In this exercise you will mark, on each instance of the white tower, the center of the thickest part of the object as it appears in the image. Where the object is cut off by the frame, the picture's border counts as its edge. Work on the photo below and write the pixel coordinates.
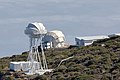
(38, 64)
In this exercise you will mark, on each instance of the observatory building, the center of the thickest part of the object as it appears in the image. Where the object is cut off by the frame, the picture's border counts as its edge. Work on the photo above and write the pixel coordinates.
(88, 40)
(113, 35)
(54, 39)
(39, 40)
(36, 62)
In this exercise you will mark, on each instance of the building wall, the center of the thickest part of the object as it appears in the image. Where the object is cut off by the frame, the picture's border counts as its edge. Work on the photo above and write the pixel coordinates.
(15, 67)
(24, 66)
(52, 42)
(82, 42)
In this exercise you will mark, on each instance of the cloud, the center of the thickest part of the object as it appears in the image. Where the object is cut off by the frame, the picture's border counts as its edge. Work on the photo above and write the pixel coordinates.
(73, 17)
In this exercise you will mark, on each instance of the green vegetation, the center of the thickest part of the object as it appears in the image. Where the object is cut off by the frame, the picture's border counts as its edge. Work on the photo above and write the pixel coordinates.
(99, 61)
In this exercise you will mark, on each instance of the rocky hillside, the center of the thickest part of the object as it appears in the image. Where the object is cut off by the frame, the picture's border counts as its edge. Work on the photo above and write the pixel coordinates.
(99, 61)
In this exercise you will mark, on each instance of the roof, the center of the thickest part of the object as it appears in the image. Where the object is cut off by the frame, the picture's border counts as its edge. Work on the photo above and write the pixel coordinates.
(57, 33)
(14, 63)
(92, 37)
(118, 34)
(22, 62)
(39, 26)
(112, 35)
(35, 29)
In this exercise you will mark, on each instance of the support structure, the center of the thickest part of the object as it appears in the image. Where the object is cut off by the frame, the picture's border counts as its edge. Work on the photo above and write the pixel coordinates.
(36, 32)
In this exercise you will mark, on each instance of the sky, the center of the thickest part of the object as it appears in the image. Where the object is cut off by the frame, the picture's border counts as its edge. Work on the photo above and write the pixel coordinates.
(73, 17)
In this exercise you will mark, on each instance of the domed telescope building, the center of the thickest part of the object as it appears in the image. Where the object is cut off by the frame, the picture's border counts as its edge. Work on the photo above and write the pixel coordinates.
(36, 32)
(54, 39)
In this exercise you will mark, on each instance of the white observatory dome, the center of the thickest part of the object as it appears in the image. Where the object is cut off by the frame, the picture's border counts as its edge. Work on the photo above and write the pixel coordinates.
(58, 35)
(35, 29)
(55, 39)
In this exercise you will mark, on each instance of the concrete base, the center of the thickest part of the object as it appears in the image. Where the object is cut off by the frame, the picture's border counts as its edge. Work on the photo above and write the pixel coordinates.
(40, 72)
